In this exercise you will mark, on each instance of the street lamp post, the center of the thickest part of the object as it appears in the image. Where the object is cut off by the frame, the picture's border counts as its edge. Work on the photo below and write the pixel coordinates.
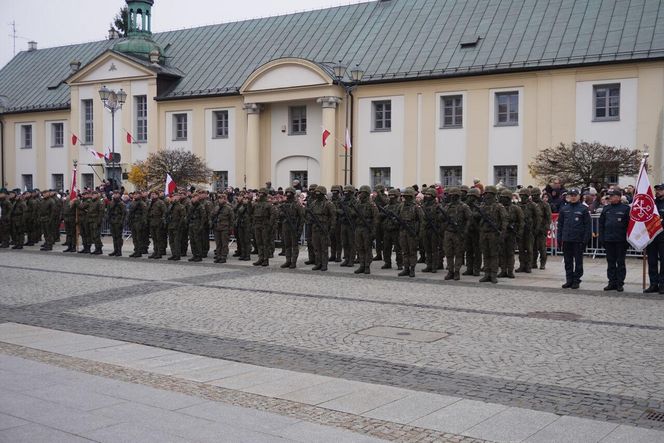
(355, 78)
(113, 101)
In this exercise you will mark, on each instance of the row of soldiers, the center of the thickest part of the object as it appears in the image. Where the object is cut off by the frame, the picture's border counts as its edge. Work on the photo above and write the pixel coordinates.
(462, 226)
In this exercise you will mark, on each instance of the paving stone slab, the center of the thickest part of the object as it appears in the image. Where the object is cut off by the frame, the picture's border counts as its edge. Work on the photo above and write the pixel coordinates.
(572, 430)
(412, 407)
(8, 421)
(511, 425)
(460, 416)
(630, 434)
(36, 433)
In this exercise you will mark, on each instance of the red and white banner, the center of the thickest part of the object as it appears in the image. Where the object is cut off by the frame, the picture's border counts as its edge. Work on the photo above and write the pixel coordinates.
(348, 144)
(95, 154)
(72, 193)
(169, 188)
(644, 220)
(74, 139)
(326, 134)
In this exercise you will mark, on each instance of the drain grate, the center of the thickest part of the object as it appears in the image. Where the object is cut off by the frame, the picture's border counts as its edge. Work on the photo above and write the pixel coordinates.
(654, 415)
(554, 315)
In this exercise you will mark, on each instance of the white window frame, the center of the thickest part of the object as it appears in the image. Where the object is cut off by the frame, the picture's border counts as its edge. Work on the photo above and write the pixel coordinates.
(141, 108)
(297, 120)
(220, 117)
(381, 115)
(54, 182)
(180, 126)
(87, 120)
(606, 96)
(446, 180)
(87, 177)
(385, 180)
(26, 136)
(219, 181)
(455, 108)
(508, 182)
(27, 178)
(55, 143)
(510, 112)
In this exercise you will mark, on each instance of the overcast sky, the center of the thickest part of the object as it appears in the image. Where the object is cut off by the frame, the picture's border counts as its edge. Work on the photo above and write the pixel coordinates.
(63, 22)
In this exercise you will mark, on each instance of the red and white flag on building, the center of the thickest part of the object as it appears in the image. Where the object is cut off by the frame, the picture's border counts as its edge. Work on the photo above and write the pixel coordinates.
(130, 139)
(644, 219)
(95, 154)
(348, 144)
(72, 193)
(326, 134)
(74, 139)
(170, 185)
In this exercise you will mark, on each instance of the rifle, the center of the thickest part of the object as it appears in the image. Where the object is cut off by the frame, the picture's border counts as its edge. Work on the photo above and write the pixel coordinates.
(432, 224)
(364, 222)
(398, 220)
(447, 218)
(289, 220)
(347, 216)
(315, 220)
(487, 219)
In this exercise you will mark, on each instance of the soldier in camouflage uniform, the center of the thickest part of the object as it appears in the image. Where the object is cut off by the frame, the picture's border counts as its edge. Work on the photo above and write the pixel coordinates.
(380, 200)
(540, 234)
(156, 216)
(493, 223)
(345, 219)
(411, 217)
(243, 227)
(117, 212)
(222, 222)
(532, 216)
(335, 234)
(33, 220)
(176, 217)
(205, 235)
(364, 215)
(196, 223)
(264, 216)
(431, 230)
(69, 208)
(308, 227)
(512, 235)
(45, 210)
(184, 227)
(472, 242)
(95, 216)
(18, 219)
(5, 218)
(145, 232)
(291, 214)
(322, 216)
(137, 213)
(456, 218)
(390, 228)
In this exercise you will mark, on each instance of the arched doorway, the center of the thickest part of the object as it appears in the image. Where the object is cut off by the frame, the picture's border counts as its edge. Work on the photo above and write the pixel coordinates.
(301, 167)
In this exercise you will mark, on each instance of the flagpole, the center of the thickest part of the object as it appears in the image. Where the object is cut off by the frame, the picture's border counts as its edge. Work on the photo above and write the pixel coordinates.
(645, 259)
(76, 227)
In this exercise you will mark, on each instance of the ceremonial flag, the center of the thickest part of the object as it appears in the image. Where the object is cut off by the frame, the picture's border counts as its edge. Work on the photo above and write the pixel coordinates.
(74, 139)
(326, 134)
(644, 219)
(72, 192)
(95, 154)
(130, 139)
(348, 144)
(170, 185)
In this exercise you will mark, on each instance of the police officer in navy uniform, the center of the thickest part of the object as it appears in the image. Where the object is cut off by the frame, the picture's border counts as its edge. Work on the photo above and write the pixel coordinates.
(574, 231)
(613, 235)
(655, 250)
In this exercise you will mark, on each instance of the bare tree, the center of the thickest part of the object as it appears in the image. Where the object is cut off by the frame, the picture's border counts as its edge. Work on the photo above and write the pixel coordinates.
(121, 22)
(583, 163)
(184, 167)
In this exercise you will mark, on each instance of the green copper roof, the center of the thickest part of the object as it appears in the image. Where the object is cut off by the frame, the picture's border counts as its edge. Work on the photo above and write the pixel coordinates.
(390, 39)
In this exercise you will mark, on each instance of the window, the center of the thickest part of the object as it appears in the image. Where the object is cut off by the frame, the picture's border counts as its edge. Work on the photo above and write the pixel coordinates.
(606, 103)
(610, 172)
(88, 124)
(179, 126)
(382, 115)
(450, 175)
(27, 181)
(507, 175)
(141, 118)
(507, 108)
(302, 176)
(451, 111)
(26, 136)
(88, 180)
(58, 182)
(219, 180)
(380, 176)
(57, 135)
(298, 120)
(220, 124)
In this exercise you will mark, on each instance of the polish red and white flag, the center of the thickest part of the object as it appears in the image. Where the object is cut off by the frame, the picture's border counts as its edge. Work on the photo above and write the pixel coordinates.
(170, 185)
(644, 218)
(326, 134)
(72, 193)
(95, 154)
(348, 144)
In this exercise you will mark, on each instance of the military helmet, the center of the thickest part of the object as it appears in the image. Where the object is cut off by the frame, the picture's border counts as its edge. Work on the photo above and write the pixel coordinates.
(535, 191)
(474, 191)
(263, 191)
(379, 187)
(336, 188)
(490, 190)
(464, 188)
(431, 192)
(312, 187)
(409, 192)
(290, 189)
(322, 189)
(454, 191)
(394, 192)
(524, 191)
(506, 193)
(365, 188)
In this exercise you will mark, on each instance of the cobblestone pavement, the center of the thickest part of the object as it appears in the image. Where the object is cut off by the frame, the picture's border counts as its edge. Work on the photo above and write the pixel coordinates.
(585, 353)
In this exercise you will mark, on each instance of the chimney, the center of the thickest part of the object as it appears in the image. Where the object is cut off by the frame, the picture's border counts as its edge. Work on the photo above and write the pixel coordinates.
(74, 65)
(113, 34)
(32, 46)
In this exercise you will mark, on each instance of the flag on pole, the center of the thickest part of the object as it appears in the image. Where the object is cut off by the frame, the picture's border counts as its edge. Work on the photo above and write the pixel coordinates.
(72, 193)
(74, 139)
(348, 144)
(130, 139)
(644, 219)
(326, 134)
(108, 155)
(170, 185)
(95, 154)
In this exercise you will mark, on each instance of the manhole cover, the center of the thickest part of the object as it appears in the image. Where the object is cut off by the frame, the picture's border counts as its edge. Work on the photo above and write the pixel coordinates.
(554, 315)
(404, 334)
(654, 415)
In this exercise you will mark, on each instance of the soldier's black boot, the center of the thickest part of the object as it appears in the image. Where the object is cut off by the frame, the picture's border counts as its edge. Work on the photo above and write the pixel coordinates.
(113, 254)
(367, 270)
(386, 266)
(651, 289)
(510, 274)
(567, 285)
(494, 280)
(265, 262)
(285, 265)
(293, 264)
(405, 272)
(611, 287)
(97, 251)
(457, 276)
(258, 262)
(360, 270)
(502, 274)
(317, 268)
(378, 257)
(449, 275)
(576, 285)
(468, 272)
(486, 278)
(427, 269)
(411, 273)
(520, 269)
